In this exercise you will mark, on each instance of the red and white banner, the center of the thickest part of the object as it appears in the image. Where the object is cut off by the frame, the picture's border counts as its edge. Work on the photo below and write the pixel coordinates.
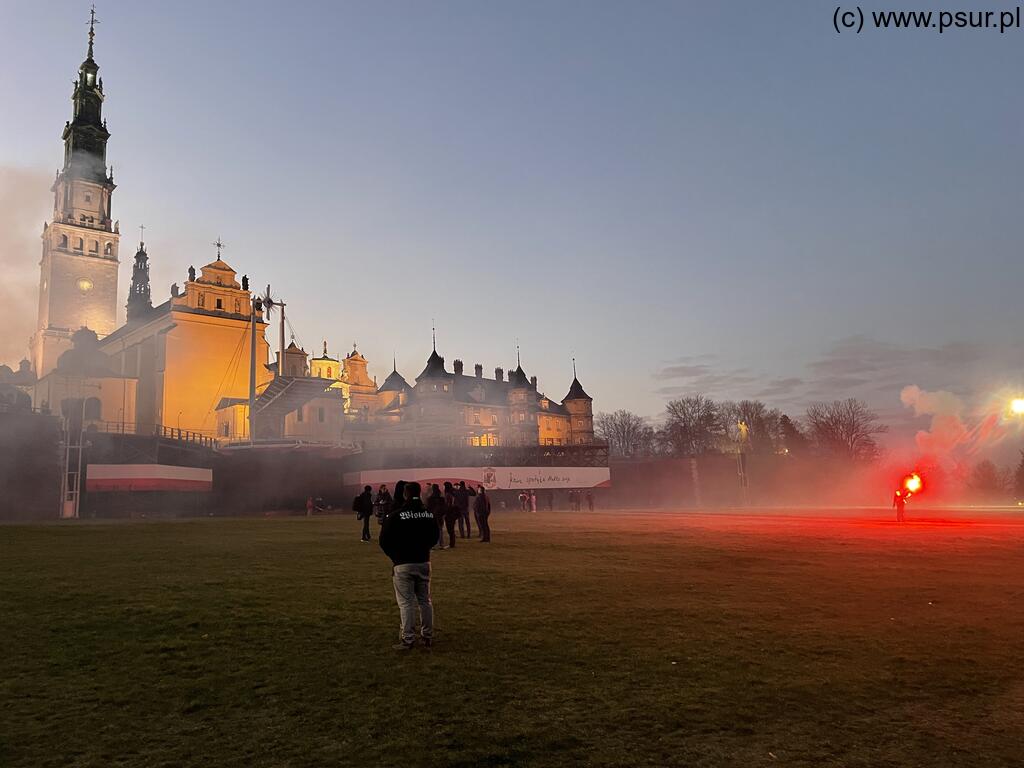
(147, 477)
(492, 478)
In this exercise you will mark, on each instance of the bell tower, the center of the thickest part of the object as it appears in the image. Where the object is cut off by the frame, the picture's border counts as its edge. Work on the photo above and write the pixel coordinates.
(78, 270)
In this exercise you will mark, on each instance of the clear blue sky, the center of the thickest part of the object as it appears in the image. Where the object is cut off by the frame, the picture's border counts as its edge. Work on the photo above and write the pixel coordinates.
(718, 196)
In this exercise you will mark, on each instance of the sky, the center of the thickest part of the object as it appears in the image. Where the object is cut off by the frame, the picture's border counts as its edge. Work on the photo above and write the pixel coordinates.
(726, 198)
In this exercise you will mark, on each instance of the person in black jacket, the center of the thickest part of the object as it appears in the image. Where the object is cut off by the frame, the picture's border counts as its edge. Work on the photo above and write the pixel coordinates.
(406, 537)
(451, 512)
(482, 507)
(363, 507)
(436, 507)
(462, 494)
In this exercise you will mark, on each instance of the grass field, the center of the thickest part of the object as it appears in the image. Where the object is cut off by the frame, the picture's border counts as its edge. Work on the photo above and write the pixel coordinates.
(571, 640)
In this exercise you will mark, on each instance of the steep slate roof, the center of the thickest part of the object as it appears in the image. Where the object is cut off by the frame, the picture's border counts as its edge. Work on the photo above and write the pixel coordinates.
(395, 382)
(435, 367)
(576, 391)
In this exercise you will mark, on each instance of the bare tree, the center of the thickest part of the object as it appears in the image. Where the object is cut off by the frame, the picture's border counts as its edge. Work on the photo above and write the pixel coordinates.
(845, 428)
(751, 424)
(987, 482)
(792, 438)
(627, 434)
(693, 425)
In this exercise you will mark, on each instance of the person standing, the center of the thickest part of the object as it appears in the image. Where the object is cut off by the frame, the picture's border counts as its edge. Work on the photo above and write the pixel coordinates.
(899, 502)
(406, 537)
(435, 505)
(363, 507)
(382, 503)
(451, 513)
(523, 501)
(462, 494)
(482, 507)
(533, 502)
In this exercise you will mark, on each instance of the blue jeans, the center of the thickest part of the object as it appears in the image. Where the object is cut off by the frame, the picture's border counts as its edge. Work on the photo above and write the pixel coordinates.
(412, 591)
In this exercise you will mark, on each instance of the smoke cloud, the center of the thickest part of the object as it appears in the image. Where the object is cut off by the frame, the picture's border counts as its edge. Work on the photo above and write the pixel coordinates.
(24, 205)
(949, 437)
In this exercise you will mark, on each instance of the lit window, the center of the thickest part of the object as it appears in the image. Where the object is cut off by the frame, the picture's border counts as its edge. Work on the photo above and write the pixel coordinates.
(84, 284)
(328, 372)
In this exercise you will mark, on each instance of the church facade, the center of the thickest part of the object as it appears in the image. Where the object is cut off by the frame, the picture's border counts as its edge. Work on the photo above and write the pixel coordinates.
(196, 361)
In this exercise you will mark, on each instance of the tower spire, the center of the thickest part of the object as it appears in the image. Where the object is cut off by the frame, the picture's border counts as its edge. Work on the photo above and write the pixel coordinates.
(433, 334)
(92, 29)
(518, 363)
(574, 366)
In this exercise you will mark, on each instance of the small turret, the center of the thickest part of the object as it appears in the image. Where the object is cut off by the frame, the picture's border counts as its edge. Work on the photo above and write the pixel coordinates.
(139, 297)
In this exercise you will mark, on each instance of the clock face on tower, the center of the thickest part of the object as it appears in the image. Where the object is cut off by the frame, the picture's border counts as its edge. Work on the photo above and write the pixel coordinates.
(84, 284)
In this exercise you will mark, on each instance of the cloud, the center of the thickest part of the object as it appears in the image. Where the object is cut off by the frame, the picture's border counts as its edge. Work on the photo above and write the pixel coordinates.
(25, 204)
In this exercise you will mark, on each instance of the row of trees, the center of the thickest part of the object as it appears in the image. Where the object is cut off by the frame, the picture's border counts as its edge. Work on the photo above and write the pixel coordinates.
(697, 425)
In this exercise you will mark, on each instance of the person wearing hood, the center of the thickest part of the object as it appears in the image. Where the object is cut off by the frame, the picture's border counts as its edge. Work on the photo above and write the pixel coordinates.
(406, 537)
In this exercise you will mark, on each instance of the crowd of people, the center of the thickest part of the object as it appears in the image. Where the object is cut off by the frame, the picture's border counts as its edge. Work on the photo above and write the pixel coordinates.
(528, 500)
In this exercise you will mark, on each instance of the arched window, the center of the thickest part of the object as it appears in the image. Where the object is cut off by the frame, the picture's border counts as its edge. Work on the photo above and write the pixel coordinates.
(93, 409)
(80, 245)
(95, 247)
(108, 249)
(64, 241)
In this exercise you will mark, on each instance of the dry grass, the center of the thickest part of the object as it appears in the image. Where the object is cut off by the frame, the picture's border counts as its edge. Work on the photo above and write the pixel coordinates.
(630, 640)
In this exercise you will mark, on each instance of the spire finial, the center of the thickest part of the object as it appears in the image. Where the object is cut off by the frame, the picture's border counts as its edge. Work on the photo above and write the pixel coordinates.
(142, 235)
(574, 366)
(219, 244)
(433, 334)
(92, 28)
(519, 364)
(325, 347)
(394, 361)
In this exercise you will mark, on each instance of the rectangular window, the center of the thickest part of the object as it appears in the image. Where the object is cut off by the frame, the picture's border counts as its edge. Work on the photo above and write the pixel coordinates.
(476, 415)
(494, 419)
(220, 304)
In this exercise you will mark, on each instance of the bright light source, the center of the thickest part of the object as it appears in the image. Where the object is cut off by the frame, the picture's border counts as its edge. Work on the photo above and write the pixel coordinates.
(1017, 406)
(912, 483)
